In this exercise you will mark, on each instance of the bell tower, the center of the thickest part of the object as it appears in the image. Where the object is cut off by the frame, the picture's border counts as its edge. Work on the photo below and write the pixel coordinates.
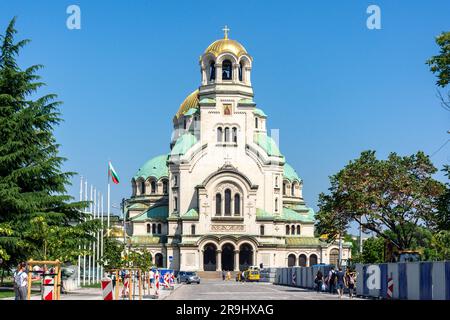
(225, 69)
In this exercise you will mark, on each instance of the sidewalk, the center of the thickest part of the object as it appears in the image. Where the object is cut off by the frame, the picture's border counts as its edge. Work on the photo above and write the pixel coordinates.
(96, 294)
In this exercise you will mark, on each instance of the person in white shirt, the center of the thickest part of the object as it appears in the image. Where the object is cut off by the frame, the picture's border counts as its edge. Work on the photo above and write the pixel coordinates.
(21, 282)
(152, 278)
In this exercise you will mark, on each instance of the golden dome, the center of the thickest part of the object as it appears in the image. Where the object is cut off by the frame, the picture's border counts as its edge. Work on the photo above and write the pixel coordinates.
(226, 45)
(191, 101)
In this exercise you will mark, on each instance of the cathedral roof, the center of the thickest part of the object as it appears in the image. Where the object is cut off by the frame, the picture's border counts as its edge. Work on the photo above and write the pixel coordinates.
(153, 213)
(259, 112)
(183, 144)
(267, 143)
(192, 214)
(226, 45)
(290, 173)
(291, 215)
(191, 101)
(155, 167)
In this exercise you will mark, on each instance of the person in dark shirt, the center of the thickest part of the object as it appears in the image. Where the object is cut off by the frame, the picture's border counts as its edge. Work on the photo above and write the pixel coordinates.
(319, 280)
(340, 276)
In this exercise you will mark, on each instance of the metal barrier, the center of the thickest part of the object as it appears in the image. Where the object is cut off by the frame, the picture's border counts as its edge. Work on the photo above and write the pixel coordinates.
(409, 280)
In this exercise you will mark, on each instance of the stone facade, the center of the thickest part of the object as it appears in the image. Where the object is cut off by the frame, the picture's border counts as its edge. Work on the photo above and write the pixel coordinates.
(224, 197)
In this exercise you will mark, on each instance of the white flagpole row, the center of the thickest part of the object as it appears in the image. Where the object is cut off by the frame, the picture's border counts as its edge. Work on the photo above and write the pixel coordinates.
(98, 239)
(90, 244)
(102, 237)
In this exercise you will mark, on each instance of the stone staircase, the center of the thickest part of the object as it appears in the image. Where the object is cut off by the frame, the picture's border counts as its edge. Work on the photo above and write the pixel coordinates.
(210, 275)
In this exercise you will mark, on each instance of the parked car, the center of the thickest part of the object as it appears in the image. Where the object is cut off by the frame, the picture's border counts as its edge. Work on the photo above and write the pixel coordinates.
(188, 277)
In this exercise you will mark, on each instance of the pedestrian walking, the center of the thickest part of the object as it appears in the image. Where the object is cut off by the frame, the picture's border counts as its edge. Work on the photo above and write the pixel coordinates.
(340, 275)
(21, 282)
(331, 280)
(223, 275)
(350, 281)
(319, 280)
(152, 278)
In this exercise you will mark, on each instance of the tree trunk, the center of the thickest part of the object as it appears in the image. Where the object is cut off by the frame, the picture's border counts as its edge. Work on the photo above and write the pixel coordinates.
(1, 279)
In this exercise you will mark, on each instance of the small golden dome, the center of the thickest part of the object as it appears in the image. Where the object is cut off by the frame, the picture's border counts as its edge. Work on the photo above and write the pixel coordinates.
(191, 101)
(226, 45)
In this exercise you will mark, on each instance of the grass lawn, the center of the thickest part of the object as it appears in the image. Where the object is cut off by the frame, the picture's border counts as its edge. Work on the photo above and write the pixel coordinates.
(93, 285)
(6, 294)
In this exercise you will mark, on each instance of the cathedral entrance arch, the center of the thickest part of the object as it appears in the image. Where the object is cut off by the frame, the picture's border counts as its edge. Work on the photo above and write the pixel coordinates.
(245, 256)
(228, 257)
(209, 257)
(159, 260)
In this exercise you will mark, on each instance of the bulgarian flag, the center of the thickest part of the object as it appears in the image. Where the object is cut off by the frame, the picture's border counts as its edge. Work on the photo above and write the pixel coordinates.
(112, 173)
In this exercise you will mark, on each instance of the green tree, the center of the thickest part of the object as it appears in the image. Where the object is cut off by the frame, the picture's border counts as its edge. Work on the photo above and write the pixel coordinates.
(32, 184)
(112, 254)
(140, 259)
(390, 197)
(373, 250)
(440, 65)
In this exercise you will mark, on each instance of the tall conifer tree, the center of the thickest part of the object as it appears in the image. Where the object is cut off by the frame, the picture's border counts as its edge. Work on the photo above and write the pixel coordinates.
(34, 203)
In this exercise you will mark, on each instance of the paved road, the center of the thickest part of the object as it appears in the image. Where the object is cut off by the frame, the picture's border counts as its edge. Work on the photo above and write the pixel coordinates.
(232, 290)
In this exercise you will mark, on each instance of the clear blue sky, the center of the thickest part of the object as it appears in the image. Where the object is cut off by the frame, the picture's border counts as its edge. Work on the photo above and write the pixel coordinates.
(330, 85)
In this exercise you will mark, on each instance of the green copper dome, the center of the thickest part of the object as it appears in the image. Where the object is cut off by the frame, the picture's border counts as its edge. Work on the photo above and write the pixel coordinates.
(267, 143)
(155, 167)
(290, 174)
(183, 144)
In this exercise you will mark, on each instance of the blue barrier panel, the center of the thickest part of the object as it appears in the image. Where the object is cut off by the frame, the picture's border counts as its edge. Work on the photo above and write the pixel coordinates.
(359, 279)
(426, 281)
(384, 280)
(447, 280)
(365, 276)
(297, 270)
(402, 281)
(438, 276)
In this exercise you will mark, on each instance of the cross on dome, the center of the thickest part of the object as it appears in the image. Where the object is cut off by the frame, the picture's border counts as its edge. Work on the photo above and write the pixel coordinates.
(225, 31)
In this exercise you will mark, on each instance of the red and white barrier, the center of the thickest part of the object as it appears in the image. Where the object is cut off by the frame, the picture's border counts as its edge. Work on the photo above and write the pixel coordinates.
(390, 288)
(126, 284)
(107, 289)
(157, 283)
(49, 288)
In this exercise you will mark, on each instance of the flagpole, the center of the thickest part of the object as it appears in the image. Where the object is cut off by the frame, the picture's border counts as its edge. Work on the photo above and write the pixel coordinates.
(98, 239)
(102, 239)
(94, 263)
(79, 247)
(84, 246)
(109, 201)
(90, 242)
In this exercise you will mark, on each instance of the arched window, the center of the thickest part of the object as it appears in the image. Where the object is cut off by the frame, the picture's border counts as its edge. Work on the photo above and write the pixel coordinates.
(276, 204)
(234, 134)
(302, 260)
(287, 230)
(291, 260)
(159, 228)
(256, 123)
(193, 229)
(276, 181)
(153, 186)
(175, 203)
(154, 228)
(218, 204)
(227, 73)
(284, 188)
(261, 230)
(312, 260)
(334, 257)
(175, 180)
(212, 71)
(227, 134)
(142, 187)
(219, 134)
(293, 189)
(240, 71)
(148, 227)
(237, 204)
(165, 186)
(292, 229)
(298, 229)
(227, 202)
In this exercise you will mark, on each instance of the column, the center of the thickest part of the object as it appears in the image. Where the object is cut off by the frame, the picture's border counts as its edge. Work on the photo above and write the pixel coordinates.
(235, 76)
(236, 260)
(219, 260)
(200, 259)
(218, 73)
